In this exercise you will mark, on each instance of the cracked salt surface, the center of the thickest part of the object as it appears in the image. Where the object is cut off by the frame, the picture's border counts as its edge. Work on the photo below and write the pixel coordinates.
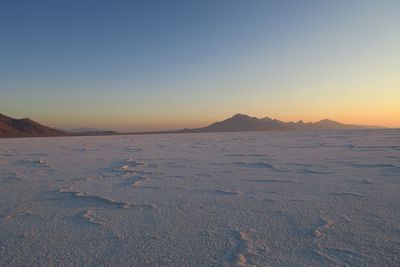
(233, 199)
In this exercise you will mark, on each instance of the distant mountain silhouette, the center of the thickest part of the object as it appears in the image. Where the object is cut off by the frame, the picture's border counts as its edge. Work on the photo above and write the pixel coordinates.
(84, 129)
(241, 122)
(244, 123)
(90, 131)
(10, 127)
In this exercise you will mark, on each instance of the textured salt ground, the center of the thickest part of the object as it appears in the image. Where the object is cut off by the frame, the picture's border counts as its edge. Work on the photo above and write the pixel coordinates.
(240, 199)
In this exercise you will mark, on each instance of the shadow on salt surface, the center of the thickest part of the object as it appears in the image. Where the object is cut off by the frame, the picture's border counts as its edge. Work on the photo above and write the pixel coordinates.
(299, 164)
(85, 149)
(13, 176)
(349, 194)
(305, 168)
(269, 166)
(21, 215)
(178, 177)
(33, 163)
(216, 192)
(337, 256)
(127, 165)
(9, 152)
(39, 154)
(134, 173)
(88, 217)
(261, 165)
(270, 181)
(343, 256)
(175, 164)
(376, 148)
(8, 155)
(235, 155)
(312, 171)
(247, 155)
(132, 149)
(205, 175)
(246, 250)
(324, 224)
(132, 166)
(317, 237)
(258, 155)
(66, 198)
(225, 191)
(366, 181)
(374, 166)
(134, 181)
(72, 199)
(384, 169)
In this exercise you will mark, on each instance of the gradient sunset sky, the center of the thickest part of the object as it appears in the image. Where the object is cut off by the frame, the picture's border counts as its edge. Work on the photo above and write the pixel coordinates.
(150, 65)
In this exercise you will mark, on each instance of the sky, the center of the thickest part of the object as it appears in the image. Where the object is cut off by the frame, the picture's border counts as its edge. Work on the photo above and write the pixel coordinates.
(156, 65)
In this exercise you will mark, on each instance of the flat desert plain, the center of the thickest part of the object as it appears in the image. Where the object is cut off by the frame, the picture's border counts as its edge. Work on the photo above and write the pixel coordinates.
(329, 198)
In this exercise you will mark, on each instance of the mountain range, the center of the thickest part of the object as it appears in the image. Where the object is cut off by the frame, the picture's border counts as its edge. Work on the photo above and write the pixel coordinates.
(244, 123)
(10, 127)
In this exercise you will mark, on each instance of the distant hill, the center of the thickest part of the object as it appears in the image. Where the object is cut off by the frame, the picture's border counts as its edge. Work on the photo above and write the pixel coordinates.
(10, 127)
(244, 123)
(90, 131)
(84, 129)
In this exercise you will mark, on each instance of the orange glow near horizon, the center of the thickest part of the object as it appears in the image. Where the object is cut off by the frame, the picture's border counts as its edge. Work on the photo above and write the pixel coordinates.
(126, 124)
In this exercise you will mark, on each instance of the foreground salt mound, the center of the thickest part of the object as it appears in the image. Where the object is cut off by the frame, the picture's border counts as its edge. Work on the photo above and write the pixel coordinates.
(242, 199)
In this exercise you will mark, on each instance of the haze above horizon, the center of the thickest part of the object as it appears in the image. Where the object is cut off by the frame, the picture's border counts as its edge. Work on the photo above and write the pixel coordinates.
(156, 65)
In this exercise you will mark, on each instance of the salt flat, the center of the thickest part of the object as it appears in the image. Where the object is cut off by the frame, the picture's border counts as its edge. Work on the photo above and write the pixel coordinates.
(232, 199)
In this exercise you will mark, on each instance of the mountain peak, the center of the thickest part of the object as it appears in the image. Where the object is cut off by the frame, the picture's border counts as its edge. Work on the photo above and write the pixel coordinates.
(266, 119)
(327, 121)
(240, 116)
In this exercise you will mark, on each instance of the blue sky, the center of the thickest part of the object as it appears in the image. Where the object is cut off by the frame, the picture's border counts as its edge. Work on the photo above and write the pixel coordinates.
(144, 65)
